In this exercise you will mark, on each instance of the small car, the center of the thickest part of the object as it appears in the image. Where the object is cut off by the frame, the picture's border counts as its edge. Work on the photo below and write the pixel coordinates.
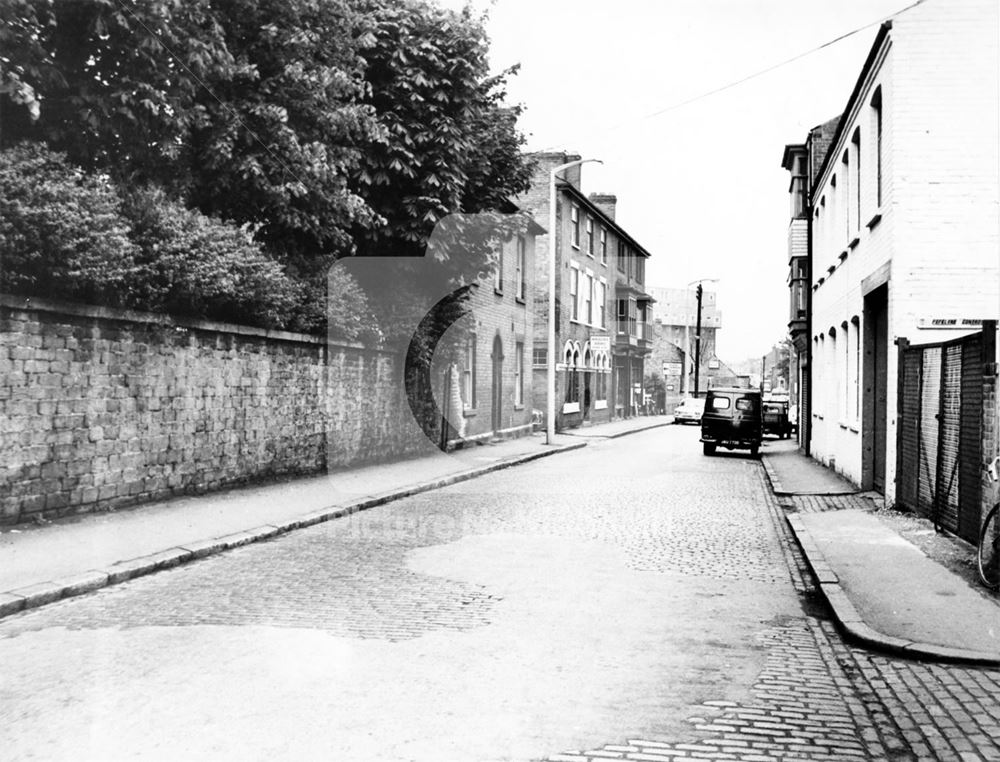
(775, 418)
(690, 410)
(732, 419)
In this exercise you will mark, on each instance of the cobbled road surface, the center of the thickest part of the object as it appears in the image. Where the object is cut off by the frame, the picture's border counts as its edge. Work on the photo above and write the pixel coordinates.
(633, 600)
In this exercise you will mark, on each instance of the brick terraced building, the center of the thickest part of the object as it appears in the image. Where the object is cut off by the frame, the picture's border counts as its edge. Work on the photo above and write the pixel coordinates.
(603, 311)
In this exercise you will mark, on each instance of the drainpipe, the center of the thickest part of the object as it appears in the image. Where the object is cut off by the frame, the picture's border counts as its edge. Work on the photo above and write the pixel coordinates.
(809, 304)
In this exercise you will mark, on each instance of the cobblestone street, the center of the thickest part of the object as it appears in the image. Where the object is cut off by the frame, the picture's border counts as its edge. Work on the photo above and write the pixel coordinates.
(632, 600)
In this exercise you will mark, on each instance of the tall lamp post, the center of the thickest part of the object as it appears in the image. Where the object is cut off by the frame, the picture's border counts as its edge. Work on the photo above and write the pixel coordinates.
(550, 417)
(697, 337)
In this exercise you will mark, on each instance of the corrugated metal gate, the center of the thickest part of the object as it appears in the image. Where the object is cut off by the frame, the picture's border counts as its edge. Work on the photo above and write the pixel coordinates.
(939, 447)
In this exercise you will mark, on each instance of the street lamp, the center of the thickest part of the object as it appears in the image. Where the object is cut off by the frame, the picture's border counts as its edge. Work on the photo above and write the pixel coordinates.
(550, 423)
(697, 338)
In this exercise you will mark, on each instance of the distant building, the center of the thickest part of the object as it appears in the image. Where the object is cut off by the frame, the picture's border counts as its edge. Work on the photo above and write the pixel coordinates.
(803, 162)
(602, 309)
(675, 314)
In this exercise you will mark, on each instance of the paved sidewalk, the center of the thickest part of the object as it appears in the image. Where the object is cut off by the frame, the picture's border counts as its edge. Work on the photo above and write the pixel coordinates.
(792, 473)
(884, 591)
(75, 555)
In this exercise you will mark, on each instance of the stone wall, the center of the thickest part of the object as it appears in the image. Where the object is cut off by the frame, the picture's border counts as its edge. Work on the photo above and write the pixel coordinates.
(101, 408)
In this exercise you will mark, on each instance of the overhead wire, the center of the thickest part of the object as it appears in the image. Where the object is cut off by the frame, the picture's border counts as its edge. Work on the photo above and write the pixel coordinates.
(748, 77)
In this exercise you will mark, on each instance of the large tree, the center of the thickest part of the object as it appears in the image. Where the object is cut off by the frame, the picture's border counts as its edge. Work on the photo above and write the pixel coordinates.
(328, 127)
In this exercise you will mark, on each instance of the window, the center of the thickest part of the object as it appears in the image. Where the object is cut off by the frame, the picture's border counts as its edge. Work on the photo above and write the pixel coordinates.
(856, 335)
(539, 356)
(640, 269)
(856, 142)
(630, 263)
(574, 218)
(498, 272)
(469, 373)
(720, 403)
(519, 373)
(572, 385)
(632, 310)
(847, 194)
(847, 373)
(622, 254)
(574, 287)
(588, 300)
(601, 298)
(590, 236)
(877, 109)
(745, 404)
(622, 315)
(604, 245)
(520, 274)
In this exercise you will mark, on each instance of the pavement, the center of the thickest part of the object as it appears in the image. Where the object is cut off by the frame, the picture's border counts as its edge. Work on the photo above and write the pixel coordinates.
(884, 592)
(75, 555)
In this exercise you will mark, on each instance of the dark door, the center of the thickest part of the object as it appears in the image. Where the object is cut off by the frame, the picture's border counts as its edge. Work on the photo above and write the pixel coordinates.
(876, 352)
(497, 406)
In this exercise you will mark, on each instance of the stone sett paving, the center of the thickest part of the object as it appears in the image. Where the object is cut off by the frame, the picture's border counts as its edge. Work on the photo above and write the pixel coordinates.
(821, 699)
(815, 698)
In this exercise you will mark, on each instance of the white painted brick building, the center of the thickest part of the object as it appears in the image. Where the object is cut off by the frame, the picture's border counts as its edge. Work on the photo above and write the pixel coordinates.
(905, 221)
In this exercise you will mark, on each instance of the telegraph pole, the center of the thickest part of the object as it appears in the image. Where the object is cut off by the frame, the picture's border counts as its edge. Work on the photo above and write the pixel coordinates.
(697, 341)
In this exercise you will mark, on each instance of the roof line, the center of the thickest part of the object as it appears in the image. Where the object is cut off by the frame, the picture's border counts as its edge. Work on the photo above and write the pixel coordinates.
(880, 38)
(560, 183)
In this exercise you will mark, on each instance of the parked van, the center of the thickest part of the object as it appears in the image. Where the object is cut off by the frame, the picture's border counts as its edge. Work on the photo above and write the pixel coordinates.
(776, 418)
(732, 419)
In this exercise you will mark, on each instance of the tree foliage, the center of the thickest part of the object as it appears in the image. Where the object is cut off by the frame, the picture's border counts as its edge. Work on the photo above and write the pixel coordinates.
(61, 229)
(324, 127)
(192, 264)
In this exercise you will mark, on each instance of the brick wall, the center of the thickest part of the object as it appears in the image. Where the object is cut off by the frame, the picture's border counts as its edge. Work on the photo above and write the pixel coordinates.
(101, 408)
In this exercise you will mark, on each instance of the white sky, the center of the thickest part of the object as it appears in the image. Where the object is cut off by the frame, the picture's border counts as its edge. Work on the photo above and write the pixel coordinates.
(701, 186)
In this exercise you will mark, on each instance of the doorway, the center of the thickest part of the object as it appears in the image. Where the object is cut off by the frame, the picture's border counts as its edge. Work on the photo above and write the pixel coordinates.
(876, 341)
(497, 406)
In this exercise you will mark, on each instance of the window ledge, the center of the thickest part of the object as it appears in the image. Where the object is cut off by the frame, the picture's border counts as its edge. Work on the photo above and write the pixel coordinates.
(854, 242)
(518, 407)
(470, 412)
(854, 427)
(519, 299)
(875, 220)
(575, 246)
(498, 291)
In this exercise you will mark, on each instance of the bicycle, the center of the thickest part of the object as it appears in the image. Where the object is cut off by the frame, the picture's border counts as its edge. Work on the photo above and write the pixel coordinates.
(988, 552)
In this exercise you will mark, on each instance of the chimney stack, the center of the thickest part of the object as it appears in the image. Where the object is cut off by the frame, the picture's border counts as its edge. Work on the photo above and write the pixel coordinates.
(606, 202)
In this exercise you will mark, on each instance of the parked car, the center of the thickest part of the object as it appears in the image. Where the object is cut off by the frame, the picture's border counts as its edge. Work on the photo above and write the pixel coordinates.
(732, 419)
(775, 418)
(690, 410)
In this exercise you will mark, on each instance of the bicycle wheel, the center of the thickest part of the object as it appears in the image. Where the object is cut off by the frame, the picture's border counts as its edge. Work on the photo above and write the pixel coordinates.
(989, 549)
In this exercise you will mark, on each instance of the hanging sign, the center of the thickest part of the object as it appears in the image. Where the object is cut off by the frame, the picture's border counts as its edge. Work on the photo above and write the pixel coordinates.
(600, 343)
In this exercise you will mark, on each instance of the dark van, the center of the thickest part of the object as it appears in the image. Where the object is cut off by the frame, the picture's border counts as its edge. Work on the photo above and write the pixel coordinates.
(732, 419)
(776, 418)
